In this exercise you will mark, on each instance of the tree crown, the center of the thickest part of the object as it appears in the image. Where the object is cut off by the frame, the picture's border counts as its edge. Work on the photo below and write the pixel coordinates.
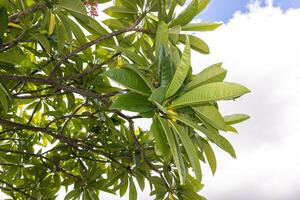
(64, 122)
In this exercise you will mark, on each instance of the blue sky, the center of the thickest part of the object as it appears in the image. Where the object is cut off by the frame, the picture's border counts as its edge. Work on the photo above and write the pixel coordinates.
(223, 10)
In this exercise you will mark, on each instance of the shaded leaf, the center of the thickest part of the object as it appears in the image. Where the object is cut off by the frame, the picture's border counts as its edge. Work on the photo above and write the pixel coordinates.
(132, 102)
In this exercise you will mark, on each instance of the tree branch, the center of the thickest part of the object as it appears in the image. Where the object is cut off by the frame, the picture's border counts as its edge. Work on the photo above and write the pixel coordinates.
(93, 42)
(89, 71)
(15, 189)
(32, 9)
(58, 85)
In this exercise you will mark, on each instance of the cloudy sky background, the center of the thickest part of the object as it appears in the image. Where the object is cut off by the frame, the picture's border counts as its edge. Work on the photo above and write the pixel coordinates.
(260, 49)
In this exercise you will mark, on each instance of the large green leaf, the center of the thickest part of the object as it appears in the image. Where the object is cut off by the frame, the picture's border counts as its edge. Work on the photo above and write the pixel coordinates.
(165, 67)
(129, 79)
(73, 5)
(211, 115)
(3, 20)
(132, 102)
(196, 43)
(181, 71)
(202, 26)
(210, 92)
(173, 146)
(161, 148)
(213, 73)
(188, 194)
(132, 190)
(213, 136)
(116, 24)
(209, 153)
(186, 15)
(189, 147)
(90, 24)
(134, 56)
(44, 42)
(61, 37)
(158, 95)
(14, 57)
(119, 12)
(78, 33)
(202, 4)
(162, 37)
(235, 118)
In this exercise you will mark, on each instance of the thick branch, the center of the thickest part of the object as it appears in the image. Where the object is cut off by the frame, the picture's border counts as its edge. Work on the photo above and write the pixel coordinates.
(56, 84)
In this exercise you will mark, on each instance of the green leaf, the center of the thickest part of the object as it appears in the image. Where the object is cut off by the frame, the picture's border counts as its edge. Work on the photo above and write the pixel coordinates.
(132, 102)
(134, 57)
(161, 149)
(203, 26)
(202, 5)
(132, 190)
(119, 12)
(14, 57)
(235, 118)
(158, 95)
(129, 79)
(3, 98)
(61, 37)
(189, 147)
(181, 2)
(173, 146)
(78, 33)
(211, 115)
(90, 24)
(116, 24)
(43, 41)
(73, 5)
(188, 194)
(162, 37)
(213, 136)
(186, 15)
(213, 73)
(181, 71)
(65, 25)
(210, 92)
(165, 68)
(210, 155)
(72, 195)
(196, 43)
(3, 20)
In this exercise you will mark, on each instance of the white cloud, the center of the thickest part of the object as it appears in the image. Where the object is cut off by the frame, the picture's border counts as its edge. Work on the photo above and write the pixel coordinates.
(261, 50)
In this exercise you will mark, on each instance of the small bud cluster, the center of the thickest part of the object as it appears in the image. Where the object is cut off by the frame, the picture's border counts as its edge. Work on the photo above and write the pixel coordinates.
(92, 7)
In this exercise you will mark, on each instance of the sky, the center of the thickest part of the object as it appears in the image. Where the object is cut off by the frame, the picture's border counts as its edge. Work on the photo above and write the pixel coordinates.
(260, 48)
(223, 10)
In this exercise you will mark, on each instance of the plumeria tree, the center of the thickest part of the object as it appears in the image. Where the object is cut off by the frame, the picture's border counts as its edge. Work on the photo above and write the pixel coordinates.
(72, 88)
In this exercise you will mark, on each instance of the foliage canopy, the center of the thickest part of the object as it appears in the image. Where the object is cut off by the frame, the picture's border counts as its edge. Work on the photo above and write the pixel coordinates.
(64, 123)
